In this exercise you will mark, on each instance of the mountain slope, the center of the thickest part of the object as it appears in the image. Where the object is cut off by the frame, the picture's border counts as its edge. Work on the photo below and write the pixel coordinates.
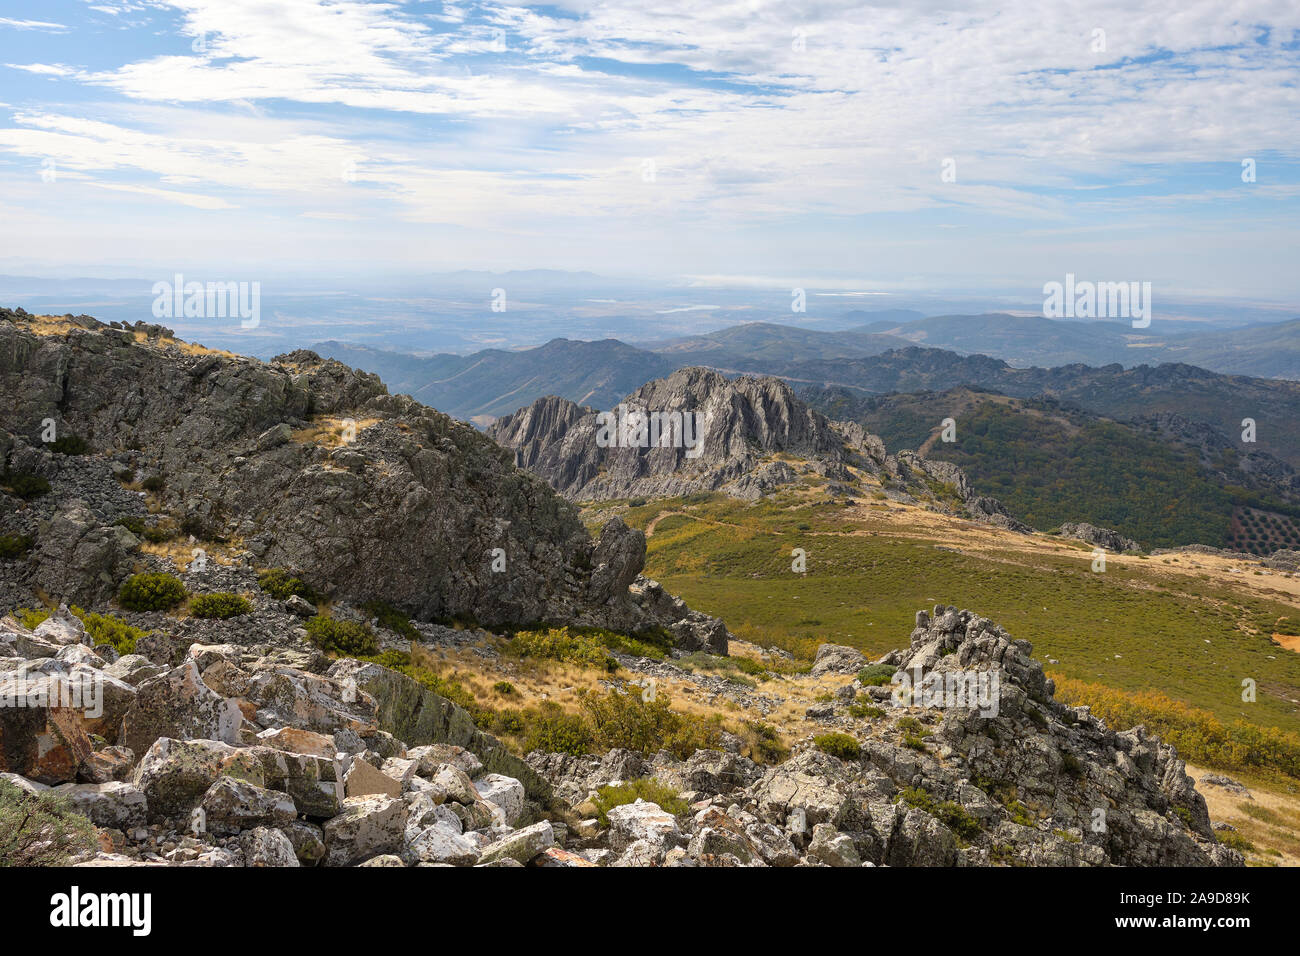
(1164, 481)
(493, 382)
(1222, 401)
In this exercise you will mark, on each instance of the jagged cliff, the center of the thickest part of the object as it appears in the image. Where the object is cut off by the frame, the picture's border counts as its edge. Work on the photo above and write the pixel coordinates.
(748, 434)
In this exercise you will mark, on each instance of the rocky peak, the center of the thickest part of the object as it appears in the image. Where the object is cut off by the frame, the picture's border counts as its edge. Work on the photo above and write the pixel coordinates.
(732, 430)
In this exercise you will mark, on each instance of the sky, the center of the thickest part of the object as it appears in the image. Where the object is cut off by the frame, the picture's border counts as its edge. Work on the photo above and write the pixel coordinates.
(873, 146)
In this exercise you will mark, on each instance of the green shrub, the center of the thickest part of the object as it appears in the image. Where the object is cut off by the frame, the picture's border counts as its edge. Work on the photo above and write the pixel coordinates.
(347, 638)
(200, 529)
(278, 583)
(504, 688)
(955, 817)
(552, 730)
(151, 592)
(877, 675)
(106, 629)
(763, 743)
(132, 523)
(22, 484)
(1235, 841)
(912, 725)
(866, 710)
(30, 618)
(391, 618)
(221, 605)
(40, 830)
(838, 745)
(643, 788)
(14, 545)
(69, 445)
(509, 722)
(1020, 814)
(951, 814)
(628, 720)
(102, 628)
(561, 644)
(154, 483)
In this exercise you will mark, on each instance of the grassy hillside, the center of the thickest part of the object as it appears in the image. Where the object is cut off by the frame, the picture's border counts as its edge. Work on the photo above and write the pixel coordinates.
(1161, 624)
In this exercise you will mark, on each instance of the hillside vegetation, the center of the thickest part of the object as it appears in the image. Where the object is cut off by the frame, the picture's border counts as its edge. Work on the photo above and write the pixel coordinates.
(1160, 624)
(1050, 463)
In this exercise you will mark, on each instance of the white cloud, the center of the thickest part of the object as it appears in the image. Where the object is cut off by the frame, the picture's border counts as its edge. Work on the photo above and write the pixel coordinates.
(41, 25)
(756, 115)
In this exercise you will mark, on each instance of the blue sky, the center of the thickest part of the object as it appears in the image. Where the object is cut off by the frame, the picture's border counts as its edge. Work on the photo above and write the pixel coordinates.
(736, 142)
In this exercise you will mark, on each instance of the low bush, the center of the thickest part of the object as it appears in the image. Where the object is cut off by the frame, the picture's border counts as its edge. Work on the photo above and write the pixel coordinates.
(40, 829)
(877, 675)
(151, 592)
(391, 618)
(1235, 841)
(102, 628)
(627, 720)
(281, 585)
(838, 745)
(14, 545)
(866, 711)
(561, 644)
(69, 445)
(24, 485)
(346, 638)
(951, 814)
(550, 728)
(644, 788)
(763, 743)
(221, 605)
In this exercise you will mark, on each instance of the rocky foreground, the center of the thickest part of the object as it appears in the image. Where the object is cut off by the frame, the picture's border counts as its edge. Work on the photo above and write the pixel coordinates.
(275, 755)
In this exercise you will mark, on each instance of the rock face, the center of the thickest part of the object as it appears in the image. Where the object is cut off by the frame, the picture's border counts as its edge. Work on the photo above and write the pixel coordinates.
(741, 426)
(1101, 537)
(736, 425)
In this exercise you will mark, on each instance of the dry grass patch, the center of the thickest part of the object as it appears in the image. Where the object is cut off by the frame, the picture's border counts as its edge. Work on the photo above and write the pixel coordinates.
(329, 432)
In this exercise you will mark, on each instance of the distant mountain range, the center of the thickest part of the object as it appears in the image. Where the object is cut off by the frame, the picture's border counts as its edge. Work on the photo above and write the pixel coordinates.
(488, 384)
(1265, 351)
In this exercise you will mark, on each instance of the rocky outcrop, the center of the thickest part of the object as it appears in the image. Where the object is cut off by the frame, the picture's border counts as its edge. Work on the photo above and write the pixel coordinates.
(733, 428)
(1101, 537)
(747, 433)
(361, 765)
(1002, 775)
(311, 465)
